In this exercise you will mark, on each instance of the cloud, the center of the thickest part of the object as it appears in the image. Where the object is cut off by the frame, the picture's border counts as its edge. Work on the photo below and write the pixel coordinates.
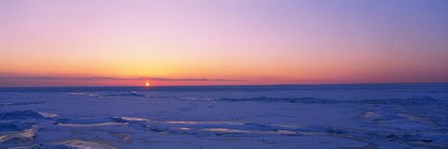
(20, 77)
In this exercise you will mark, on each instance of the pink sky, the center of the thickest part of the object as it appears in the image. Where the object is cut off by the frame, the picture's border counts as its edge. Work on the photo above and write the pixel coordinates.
(95, 42)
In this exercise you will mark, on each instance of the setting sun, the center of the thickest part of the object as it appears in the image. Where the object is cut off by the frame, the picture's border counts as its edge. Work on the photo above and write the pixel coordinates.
(147, 84)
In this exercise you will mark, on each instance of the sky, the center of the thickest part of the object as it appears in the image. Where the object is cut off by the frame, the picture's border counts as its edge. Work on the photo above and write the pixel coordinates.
(222, 42)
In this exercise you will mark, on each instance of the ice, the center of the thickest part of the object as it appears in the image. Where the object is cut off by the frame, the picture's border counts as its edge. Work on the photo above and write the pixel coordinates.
(92, 125)
(130, 119)
(20, 103)
(26, 114)
(48, 114)
(79, 144)
(132, 94)
(15, 126)
(319, 116)
(415, 100)
(25, 136)
(203, 122)
(226, 130)
(84, 94)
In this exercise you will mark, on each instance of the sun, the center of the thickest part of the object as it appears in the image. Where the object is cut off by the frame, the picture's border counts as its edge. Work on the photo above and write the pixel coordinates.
(147, 84)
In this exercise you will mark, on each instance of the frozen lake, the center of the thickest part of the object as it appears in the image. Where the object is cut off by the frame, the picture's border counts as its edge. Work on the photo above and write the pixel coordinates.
(288, 116)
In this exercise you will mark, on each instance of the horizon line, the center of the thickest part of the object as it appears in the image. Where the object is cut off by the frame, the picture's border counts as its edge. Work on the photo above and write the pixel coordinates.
(314, 84)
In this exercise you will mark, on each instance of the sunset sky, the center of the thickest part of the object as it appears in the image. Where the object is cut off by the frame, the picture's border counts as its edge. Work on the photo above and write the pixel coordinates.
(222, 42)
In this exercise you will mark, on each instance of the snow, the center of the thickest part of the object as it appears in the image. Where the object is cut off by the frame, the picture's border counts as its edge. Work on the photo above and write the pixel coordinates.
(316, 116)
(84, 144)
(130, 119)
(92, 125)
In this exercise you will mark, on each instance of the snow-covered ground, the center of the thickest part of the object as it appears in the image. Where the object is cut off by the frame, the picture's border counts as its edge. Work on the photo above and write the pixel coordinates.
(315, 116)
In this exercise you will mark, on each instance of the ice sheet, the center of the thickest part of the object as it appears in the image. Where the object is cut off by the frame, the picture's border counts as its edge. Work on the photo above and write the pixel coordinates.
(326, 116)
